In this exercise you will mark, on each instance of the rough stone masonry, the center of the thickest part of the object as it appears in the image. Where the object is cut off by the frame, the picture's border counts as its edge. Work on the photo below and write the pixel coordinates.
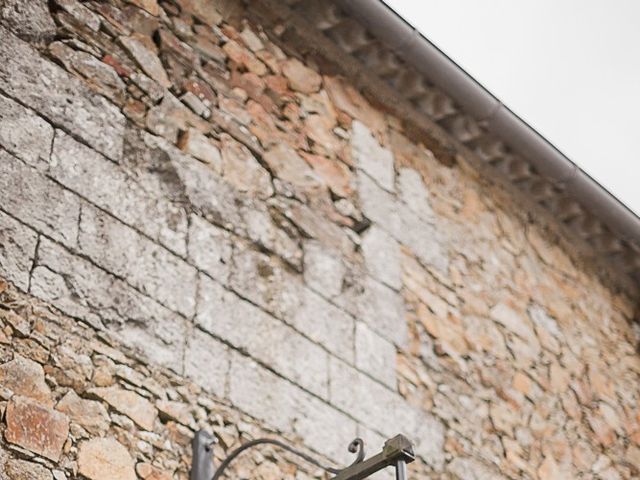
(199, 230)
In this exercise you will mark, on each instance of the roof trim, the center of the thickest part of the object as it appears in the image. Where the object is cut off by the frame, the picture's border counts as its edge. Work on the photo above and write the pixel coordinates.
(407, 42)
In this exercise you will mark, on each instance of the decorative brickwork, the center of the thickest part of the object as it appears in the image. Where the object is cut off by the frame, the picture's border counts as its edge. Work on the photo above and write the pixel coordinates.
(199, 230)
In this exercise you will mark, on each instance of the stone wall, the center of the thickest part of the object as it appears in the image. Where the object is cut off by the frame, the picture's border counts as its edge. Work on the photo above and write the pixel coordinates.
(198, 230)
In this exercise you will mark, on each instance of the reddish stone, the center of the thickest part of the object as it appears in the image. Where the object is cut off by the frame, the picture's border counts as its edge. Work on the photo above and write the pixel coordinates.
(301, 78)
(105, 459)
(150, 6)
(26, 378)
(335, 173)
(243, 57)
(117, 65)
(37, 428)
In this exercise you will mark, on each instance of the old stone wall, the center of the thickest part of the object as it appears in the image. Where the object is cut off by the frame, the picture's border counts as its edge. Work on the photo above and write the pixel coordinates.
(198, 230)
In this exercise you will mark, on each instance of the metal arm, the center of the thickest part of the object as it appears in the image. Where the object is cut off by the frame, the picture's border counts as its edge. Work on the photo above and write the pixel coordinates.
(397, 451)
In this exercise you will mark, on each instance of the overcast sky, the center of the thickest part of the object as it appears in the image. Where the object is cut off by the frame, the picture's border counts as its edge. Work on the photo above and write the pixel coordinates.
(570, 68)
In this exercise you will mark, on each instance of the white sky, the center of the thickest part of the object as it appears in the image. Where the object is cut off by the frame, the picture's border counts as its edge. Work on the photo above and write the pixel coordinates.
(570, 68)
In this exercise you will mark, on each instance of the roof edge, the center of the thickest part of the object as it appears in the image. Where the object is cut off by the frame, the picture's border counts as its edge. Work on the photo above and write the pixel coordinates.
(481, 104)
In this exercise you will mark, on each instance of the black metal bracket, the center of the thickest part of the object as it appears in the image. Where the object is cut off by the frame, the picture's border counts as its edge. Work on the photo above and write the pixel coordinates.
(397, 452)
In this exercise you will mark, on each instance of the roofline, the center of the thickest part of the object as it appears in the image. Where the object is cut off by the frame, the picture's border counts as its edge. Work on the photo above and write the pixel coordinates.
(406, 41)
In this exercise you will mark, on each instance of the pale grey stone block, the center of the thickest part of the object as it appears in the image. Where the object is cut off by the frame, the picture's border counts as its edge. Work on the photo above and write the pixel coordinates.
(263, 337)
(145, 265)
(17, 249)
(112, 188)
(265, 281)
(207, 362)
(370, 157)
(324, 269)
(82, 290)
(383, 310)
(375, 355)
(24, 134)
(210, 248)
(324, 323)
(414, 193)
(287, 408)
(378, 205)
(37, 201)
(59, 97)
(382, 256)
(464, 468)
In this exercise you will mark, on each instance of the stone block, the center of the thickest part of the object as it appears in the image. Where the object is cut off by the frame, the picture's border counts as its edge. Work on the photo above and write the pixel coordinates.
(124, 252)
(378, 205)
(265, 281)
(210, 249)
(100, 181)
(59, 97)
(30, 20)
(24, 134)
(324, 323)
(383, 310)
(37, 201)
(82, 290)
(35, 427)
(375, 355)
(23, 470)
(428, 243)
(263, 337)
(129, 403)
(301, 78)
(243, 171)
(25, 377)
(286, 407)
(414, 193)
(201, 147)
(324, 270)
(17, 250)
(89, 414)
(369, 156)
(382, 256)
(136, 46)
(207, 362)
(101, 458)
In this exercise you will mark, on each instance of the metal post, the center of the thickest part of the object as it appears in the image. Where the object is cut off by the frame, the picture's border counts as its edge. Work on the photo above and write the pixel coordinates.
(401, 470)
(202, 462)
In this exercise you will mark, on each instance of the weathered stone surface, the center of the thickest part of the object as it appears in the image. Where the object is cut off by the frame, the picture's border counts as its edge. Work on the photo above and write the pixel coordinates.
(210, 248)
(24, 134)
(414, 193)
(92, 176)
(30, 21)
(382, 309)
(207, 362)
(248, 328)
(287, 407)
(105, 458)
(37, 201)
(346, 98)
(301, 78)
(244, 58)
(195, 143)
(129, 403)
(290, 167)
(333, 172)
(150, 6)
(171, 116)
(324, 270)
(17, 250)
(242, 170)
(89, 414)
(26, 378)
(81, 290)
(369, 156)
(126, 253)
(382, 256)
(205, 10)
(100, 77)
(35, 427)
(60, 98)
(22, 470)
(80, 13)
(375, 355)
(146, 58)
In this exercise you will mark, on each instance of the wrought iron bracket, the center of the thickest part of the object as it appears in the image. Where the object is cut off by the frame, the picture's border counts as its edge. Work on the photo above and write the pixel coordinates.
(397, 452)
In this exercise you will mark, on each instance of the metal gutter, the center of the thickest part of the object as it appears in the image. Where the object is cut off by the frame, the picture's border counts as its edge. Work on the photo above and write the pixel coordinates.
(478, 102)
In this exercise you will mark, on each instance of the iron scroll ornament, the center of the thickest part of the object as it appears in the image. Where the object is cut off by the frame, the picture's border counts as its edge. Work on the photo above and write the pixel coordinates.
(397, 452)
